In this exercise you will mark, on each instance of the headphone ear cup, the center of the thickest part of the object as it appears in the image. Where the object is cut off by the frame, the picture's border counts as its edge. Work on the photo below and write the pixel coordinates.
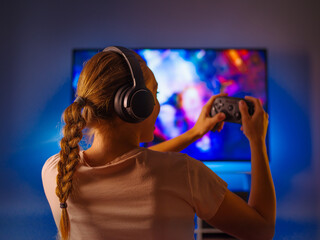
(141, 103)
(119, 103)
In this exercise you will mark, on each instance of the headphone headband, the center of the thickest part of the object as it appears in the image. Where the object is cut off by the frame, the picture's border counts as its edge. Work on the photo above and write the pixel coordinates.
(133, 64)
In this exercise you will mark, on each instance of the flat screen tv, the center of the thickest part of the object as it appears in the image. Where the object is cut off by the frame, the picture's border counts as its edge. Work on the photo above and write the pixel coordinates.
(187, 78)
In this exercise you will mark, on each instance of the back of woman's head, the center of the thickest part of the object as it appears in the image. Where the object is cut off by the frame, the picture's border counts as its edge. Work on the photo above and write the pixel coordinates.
(101, 76)
(99, 80)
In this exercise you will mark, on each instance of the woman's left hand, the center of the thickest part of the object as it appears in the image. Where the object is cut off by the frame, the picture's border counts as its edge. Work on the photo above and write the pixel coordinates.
(205, 122)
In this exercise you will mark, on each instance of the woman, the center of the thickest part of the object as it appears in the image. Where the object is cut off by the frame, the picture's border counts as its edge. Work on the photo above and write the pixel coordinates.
(117, 190)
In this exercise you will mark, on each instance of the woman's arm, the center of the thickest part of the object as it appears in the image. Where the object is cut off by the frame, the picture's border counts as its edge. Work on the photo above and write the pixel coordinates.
(255, 219)
(204, 124)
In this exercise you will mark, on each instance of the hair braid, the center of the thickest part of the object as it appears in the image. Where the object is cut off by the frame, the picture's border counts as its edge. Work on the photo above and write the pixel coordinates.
(69, 158)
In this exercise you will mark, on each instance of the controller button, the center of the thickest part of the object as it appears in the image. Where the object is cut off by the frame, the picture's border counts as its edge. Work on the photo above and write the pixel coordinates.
(230, 107)
(220, 104)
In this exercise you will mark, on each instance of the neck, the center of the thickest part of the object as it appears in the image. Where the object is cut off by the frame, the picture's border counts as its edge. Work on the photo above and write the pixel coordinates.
(112, 143)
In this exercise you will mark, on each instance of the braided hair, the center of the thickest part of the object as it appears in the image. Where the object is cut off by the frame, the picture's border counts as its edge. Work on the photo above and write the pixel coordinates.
(69, 158)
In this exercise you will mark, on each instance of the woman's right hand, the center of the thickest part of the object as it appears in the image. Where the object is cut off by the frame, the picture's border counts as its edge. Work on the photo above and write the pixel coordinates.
(255, 126)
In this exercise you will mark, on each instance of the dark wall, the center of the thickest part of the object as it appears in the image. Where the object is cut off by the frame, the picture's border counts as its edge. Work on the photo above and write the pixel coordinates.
(37, 38)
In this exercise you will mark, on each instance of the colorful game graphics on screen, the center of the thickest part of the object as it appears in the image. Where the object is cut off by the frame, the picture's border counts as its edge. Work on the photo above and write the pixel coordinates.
(187, 78)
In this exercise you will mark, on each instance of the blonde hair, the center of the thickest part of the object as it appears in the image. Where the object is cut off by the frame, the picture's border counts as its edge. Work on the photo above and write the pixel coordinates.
(101, 76)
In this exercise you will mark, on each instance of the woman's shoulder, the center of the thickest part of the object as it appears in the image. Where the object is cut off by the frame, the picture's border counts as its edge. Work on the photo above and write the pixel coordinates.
(50, 164)
(165, 155)
(176, 159)
(166, 159)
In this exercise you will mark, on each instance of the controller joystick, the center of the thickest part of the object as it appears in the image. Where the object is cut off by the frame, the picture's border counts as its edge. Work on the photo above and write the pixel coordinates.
(237, 116)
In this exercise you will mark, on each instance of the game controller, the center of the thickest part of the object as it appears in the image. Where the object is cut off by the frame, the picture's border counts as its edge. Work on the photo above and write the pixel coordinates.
(230, 107)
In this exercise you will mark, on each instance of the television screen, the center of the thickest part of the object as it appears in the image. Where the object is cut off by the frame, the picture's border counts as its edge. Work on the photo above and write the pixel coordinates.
(187, 78)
